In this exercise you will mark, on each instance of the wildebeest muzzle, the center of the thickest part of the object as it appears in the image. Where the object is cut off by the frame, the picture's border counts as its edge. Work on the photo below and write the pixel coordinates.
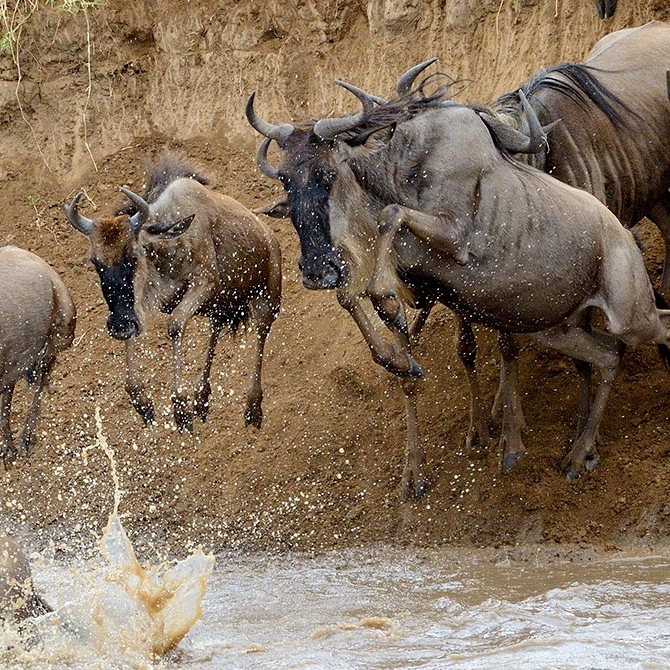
(324, 272)
(122, 325)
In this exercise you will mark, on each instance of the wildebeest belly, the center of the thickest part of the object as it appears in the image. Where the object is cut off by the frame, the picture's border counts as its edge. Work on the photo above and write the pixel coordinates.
(520, 297)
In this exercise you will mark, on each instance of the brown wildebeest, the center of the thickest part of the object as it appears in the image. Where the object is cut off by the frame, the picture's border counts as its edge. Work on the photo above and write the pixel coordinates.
(502, 244)
(37, 322)
(184, 250)
(18, 599)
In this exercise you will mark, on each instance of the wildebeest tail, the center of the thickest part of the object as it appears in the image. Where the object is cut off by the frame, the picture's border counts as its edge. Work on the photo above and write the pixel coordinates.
(663, 349)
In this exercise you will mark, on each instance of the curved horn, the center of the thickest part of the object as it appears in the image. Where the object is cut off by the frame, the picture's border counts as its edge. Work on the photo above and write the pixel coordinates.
(515, 141)
(80, 222)
(327, 129)
(138, 219)
(278, 133)
(262, 160)
(405, 82)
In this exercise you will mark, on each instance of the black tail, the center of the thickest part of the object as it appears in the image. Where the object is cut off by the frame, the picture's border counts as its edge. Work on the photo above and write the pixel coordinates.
(663, 349)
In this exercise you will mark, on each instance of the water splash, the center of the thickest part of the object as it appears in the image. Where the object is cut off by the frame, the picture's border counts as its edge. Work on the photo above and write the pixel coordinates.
(119, 611)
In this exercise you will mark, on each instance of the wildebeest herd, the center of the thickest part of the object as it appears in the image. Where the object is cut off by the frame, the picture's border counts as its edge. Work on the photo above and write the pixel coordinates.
(510, 214)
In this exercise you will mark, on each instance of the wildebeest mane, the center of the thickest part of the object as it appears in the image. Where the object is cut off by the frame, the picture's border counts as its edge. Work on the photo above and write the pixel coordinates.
(582, 87)
(404, 108)
(161, 172)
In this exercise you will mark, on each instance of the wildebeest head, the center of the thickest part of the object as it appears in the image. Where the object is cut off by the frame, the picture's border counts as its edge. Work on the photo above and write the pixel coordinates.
(115, 251)
(307, 172)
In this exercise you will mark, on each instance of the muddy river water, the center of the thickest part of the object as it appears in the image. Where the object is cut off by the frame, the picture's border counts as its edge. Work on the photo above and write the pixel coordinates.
(383, 608)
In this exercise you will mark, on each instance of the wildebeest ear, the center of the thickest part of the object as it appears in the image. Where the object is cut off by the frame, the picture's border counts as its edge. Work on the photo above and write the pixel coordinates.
(279, 209)
(170, 229)
(373, 139)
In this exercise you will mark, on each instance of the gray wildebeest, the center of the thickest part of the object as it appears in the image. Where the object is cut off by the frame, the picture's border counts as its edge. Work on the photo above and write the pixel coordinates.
(18, 599)
(37, 322)
(185, 250)
(613, 139)
(498, 242)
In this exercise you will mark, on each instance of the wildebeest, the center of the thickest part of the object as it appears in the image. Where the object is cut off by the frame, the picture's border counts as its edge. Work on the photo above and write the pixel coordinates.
(185, 250)
(605, 8)
(502, 244)
(37, 322)
(613, 139)
(18, 598)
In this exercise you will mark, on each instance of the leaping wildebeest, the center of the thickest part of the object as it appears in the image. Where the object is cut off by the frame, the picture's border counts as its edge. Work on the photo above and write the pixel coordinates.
(185, 250)
(498, 242)
(37, 322)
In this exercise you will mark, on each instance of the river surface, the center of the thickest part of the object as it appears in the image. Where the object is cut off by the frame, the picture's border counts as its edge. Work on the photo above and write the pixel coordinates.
(382, 608)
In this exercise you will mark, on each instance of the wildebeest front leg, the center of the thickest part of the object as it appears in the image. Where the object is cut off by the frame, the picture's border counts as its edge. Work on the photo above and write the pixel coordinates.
(441, 233)
(401, 363)
(397, 360)
(195, 297)
(7, 452)
(135, 386)
(466, 345)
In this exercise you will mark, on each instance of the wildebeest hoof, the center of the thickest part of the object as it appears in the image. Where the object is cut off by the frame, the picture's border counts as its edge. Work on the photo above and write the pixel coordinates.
(510, 460)
(201, 405)
(145, 408)
(415, 370)
(253, 416)
(183, 416)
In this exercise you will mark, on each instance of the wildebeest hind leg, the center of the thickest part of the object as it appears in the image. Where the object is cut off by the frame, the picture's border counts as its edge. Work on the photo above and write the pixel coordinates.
(7, 452)
(604, 352)
(660, 215)
(204, 388)
(264, 314)
(29, 436)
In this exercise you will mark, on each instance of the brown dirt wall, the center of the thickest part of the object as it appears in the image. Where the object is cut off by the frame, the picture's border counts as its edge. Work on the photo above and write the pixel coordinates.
(102, 90)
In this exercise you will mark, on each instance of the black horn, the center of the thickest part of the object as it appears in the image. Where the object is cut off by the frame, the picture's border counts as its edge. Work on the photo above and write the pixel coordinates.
(262, 160)
(405, 82)
(80, 222)
(138, 219)
(327, 129)
(278, 133)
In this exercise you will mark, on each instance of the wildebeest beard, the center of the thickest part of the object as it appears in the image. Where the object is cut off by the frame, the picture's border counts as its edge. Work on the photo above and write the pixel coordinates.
(117, 284)
(321, 265)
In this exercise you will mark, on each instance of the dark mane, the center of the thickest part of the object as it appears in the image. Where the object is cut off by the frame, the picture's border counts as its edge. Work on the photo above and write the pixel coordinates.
(582, 87)
(161, 172)
(403, 108)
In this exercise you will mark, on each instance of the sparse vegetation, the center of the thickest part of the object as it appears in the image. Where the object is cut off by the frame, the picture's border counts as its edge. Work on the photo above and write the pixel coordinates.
(14, 15)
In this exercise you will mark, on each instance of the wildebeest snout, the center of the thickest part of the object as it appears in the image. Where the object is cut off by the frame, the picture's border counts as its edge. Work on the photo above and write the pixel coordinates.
(323, 272)
(123, 325)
